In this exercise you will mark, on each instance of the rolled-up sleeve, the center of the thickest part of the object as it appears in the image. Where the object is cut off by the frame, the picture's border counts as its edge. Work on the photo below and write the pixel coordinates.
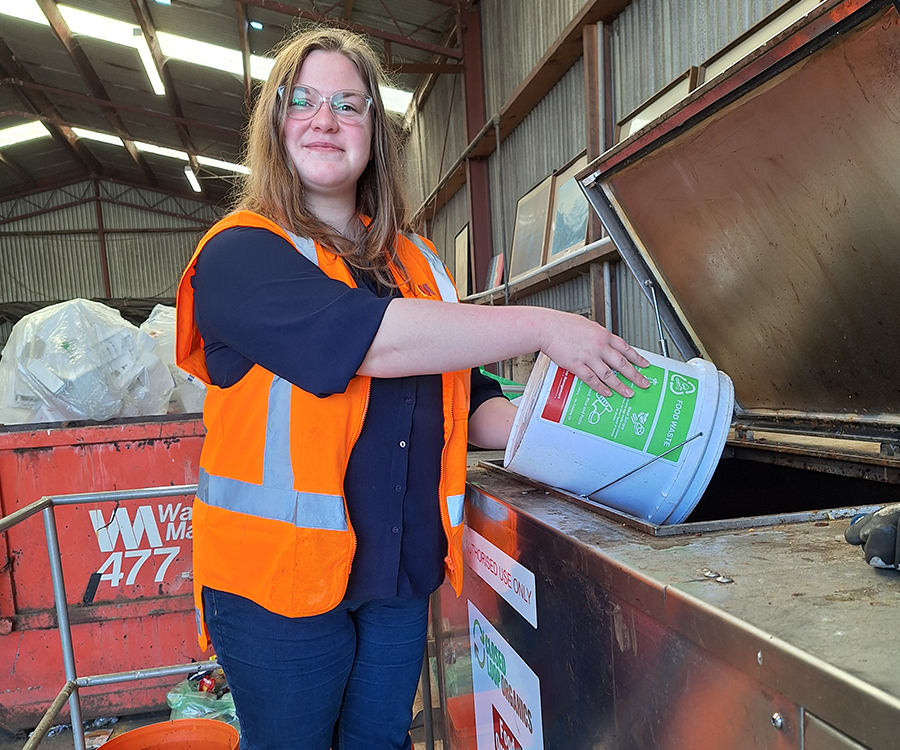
(257, 300)
(483, 388)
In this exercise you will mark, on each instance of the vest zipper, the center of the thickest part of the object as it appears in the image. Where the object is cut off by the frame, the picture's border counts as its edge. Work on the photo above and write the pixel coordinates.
(445, 512)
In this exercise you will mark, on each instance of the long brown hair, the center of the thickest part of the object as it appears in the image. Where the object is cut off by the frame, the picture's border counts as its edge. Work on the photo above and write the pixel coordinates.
(273, 187)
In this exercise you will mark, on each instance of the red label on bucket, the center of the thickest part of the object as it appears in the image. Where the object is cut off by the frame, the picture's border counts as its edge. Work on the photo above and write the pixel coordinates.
(559, 392)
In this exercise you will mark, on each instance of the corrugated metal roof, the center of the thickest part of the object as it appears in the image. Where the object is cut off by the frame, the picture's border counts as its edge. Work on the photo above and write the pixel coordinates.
(42, 81)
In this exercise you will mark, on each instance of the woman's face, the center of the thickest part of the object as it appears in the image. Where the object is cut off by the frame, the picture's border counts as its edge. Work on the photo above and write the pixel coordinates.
(329, 154)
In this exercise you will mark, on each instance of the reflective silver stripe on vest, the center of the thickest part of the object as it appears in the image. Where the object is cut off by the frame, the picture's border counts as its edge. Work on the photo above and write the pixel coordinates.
(305, 510)
(444, 282)
(455, 505)
(306, 247)
(277, 470)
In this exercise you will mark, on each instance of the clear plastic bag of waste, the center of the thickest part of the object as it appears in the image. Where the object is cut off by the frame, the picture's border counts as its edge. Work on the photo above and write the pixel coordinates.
(80, 360)
(189, 393)
(188, 701)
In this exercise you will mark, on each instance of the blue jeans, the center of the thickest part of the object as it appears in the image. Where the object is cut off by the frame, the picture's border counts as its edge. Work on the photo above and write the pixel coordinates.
(344, 680)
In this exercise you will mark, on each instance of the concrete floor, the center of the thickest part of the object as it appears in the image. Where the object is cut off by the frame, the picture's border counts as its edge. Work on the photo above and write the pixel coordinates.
(63, 740)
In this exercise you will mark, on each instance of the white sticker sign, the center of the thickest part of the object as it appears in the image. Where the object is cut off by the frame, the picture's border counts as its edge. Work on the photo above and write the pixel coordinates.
(507, 693)
(513, 581)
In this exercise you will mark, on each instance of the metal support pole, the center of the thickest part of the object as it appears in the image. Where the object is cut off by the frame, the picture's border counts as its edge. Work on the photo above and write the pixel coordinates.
(663, 346)
(427, 722)
(607, 296)
(503, 248)
(144, 674)
(65, 630)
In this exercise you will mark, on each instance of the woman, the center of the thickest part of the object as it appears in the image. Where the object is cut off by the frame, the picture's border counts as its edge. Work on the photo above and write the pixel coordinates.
(341, 400)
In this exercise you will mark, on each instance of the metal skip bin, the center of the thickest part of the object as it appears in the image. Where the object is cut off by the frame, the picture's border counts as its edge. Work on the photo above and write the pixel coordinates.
(127, 565)
(763, 211)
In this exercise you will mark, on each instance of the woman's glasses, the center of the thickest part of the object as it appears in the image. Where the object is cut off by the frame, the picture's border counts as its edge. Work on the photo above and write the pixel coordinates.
(347, 106)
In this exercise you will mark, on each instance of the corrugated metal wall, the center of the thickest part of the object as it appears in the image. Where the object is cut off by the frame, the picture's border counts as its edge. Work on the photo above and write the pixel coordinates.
(514, 37)
(653, 42)
(572, 296)
(551, 136)
(45, 201)
(437, 138)
(135, 202)
(444, 227)
(150, 264)
(54, 265)
(49, 256)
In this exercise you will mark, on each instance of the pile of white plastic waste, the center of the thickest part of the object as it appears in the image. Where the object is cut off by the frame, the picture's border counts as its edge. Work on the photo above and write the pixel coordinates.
(81, 360)
(188, 395)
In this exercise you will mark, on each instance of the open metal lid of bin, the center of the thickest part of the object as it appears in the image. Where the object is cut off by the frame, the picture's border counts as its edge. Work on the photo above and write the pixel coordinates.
(765, 210)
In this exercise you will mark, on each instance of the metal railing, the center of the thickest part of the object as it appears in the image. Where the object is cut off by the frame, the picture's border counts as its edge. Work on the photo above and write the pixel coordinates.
(74, 683)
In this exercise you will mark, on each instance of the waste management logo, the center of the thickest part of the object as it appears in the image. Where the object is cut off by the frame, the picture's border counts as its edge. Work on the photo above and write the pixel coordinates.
(141, 539)
(507, 693)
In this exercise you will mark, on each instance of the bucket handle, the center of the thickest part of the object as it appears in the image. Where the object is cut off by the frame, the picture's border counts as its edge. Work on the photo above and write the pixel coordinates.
(643, 465)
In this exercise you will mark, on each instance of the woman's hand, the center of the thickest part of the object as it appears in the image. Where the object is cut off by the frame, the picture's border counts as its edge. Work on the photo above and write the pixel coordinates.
(592, 354)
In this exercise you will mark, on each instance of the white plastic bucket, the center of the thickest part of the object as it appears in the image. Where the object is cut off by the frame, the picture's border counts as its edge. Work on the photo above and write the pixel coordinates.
(670, 435)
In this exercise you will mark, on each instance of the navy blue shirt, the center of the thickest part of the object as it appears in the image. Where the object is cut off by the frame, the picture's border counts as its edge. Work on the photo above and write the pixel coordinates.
(258, 300)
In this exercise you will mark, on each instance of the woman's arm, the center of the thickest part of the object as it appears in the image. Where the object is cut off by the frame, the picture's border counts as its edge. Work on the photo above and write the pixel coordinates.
(490, 425)
(420, 337)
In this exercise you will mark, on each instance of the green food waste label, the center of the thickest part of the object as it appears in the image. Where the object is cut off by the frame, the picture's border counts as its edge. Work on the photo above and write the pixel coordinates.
(652, 421)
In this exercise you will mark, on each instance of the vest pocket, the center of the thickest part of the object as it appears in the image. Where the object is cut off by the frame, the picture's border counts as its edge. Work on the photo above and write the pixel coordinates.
(312, 574)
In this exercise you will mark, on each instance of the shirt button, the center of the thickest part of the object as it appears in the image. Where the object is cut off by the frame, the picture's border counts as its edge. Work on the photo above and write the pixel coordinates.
(395, 529)
(402, 443)
(408, 400)
(398, 488)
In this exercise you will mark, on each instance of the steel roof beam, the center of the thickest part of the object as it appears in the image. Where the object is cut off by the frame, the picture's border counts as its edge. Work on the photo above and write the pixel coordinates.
(391, 16)
(288, 10)
(145, 20)
(40, 105)
(244, 41)
(431, 20)
(433, 68)
(68, 126)
(87, 73)
(32, 85)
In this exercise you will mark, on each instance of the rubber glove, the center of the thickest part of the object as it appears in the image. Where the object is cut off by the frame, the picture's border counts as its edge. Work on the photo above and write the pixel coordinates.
(879, 535)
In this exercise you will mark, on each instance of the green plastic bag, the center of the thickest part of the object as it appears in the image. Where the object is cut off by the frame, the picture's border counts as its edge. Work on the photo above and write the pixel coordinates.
(187, 702)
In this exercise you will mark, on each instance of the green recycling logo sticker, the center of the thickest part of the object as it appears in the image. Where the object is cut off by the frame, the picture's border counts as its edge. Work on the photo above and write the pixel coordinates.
(652, 421)
(682, 386)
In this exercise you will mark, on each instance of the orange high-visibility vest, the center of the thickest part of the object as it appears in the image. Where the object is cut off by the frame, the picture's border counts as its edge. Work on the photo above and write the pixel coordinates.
(270, 521)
